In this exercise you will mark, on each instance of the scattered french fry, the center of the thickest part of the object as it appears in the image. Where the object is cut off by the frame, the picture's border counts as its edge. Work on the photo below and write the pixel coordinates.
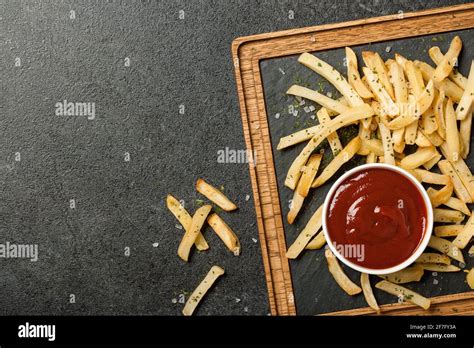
(465, 134)
(447, 169)
(345, 155)
(465, 236)
(457, 204)
(446, 65)
(225, 233)
(375, 63)
(339, 276)
(437, 56)
(435, 267)
(333, 76)
(353, 75)
(448, 230)
(185, 220)
(202, 289)
(318, 98)
(418, 158)
(446, 247)
(387, 104)
(389, 155)
(317, 242)
(465, 105)
(440, 197)
(355, 114)
(310, 170)
(447, 215)
(404, 293)
(434, 258)
(310, 230)
(406, 275)
(295, 206)
(432, 178)
(333, 139)
(452, 134)
(190, 236)
(368, 293)
(214, 195)
(298, 137)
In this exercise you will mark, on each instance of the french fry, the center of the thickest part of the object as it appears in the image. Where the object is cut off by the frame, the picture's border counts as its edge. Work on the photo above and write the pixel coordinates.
(446, 247)
(463, 172)
(447, 215)
(451, 89)
(465, 236)
(332, 75)
(295, 207)
(368, 293)
(446, 65)
(432, 162)
(428, 122)
(440, 197)
(225, 233)
(457, 204)
(465, 134)
(185, 220)
(447, 169)
(339, 276)
(387, 104)
(355, 114)
(415, 78)
(375, 146)
(452, 135)
(406, 275)
(432, 178)
(438, 109)
(371, 158)
(190, 236)
(397, 78)
(434, 138)
(214, 195)
(437, 56)
(353, 75)
(344, 156)
(419, 157)
(318, 98)
(310, 230)
(389, 156)
(470, 278)
(448, 230)
(202, 289)
(436, 267)
(421, 140)
(401, 60)
(298, 137)
(433, 258)
(375, 63)
(333, 139)
(398, 138)
(465, 105)
(310, 170)
(404, 293)
(317, 242)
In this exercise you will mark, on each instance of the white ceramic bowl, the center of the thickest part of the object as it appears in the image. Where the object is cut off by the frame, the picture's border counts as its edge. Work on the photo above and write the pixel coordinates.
(421, 246)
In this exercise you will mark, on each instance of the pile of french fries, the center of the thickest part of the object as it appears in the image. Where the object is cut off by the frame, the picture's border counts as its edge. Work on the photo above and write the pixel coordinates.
(410, 114)
(193, 236)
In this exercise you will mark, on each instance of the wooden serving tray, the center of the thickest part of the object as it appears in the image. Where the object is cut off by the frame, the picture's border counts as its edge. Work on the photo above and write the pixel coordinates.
(247, 54)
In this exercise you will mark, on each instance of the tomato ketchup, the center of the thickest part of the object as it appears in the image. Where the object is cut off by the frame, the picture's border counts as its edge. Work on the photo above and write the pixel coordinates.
(382, 213)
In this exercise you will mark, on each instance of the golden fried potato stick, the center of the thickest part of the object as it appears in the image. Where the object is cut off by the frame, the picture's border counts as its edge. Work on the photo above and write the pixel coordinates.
(214, 195)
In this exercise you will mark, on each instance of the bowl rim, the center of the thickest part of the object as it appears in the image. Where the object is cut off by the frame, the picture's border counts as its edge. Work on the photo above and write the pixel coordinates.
(422, 245)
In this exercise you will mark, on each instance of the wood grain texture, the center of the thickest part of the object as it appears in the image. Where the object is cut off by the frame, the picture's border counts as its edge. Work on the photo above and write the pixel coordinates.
(247, 53)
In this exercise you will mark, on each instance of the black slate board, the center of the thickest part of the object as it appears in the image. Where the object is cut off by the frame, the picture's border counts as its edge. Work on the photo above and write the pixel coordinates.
(314, 288)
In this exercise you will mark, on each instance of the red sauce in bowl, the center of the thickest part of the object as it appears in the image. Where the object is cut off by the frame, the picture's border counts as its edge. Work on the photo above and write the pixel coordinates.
(377, 217)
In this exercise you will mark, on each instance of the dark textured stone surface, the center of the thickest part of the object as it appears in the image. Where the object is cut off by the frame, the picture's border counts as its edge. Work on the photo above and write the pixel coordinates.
(173, 61)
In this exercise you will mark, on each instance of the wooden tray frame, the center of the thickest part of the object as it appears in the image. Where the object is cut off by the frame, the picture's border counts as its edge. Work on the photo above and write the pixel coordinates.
(247, 53)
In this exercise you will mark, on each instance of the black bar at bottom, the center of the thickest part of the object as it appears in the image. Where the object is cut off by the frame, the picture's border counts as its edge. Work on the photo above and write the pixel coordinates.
(259, 330)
